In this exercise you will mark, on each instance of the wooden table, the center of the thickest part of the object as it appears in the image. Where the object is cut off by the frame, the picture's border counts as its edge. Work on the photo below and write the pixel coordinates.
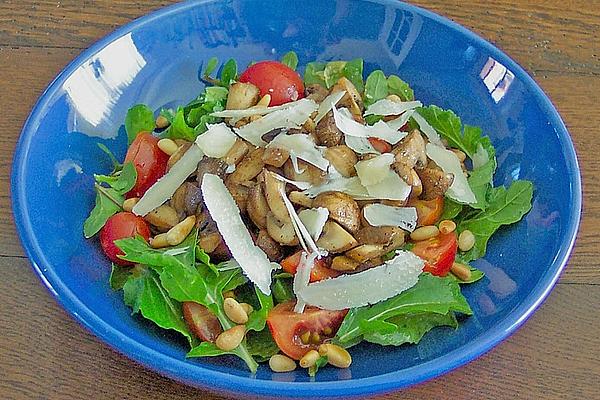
(45, 354)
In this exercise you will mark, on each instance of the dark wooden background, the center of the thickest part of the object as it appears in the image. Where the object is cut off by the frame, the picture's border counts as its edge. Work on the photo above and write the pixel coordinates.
(44, 354)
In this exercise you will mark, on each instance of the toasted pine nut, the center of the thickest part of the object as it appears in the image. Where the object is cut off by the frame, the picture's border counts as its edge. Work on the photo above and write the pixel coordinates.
(447, 226)
(129, 203)
(159, 241)
(336, 355)
(235, 311)
(231, 338)
(247, 308)
(179, 232)
(394, 98)
(459, 154)
(425, 232)
(461, 271)
(309, 359)
(163, 217)
(229, 294)
(264, 101)
(281, 363)
(237, 152)
(309, 125)
(167, 146)
(466, 240)
(161, 122)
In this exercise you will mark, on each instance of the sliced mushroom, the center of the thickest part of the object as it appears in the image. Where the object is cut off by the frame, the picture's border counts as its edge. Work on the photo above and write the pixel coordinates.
(242, 96)
(239, 192)
(281, 232)
(344, 264)
(300, 199)
(410, 152)
(383, 235)
(352, 99)
(342, 209)
(210, 165)
(237, 152)
(249, 167)
(342, 158)
(271, 248)
(310, 173)
(257, 206)
(411, 177)
(435, 182)
(209, 241)
(366, 252)
(273, 189)
(327, 133)
(316, 92)
(275, 156)
(335, 239)
(192, 200)
(178, 200)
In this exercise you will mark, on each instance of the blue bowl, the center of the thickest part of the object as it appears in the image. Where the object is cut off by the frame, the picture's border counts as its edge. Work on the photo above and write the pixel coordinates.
(156, 60)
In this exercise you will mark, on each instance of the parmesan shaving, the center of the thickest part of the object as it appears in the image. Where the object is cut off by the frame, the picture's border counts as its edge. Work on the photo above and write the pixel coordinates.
(223, 210)
(383, 215)
(386, 107)
(381, 130)
(374, 170)
(164, 188)
(480, 157)
(390, 188)
(427, 129)
(327, 104)
(368, 287)
(302, 147)
(314, 220)
(460, 190)
(350, 186)
(255, 110)
(300, 185)
(400, 121)
(304, 236)
(360, 145)
(302, 277)
(216, 141)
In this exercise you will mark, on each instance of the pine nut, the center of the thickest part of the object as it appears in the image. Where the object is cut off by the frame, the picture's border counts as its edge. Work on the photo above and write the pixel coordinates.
(264, 101)
(309, 359)
(281, 363)
(424, 233)
(167, 146)
(247, 308)
(447, 226)
(394, 98)
(159, 241)
(459, 154)
(163, 217)
(229, 294)
(466, 240)
(179, 232)
(161, 122)
(129, 203)
(336, 355)
(231, 338)
(461, 271)
(235, 311)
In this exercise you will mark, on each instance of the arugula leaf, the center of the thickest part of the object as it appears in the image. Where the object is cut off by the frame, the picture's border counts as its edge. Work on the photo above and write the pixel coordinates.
(118, 276)
(353, 70)
(320, 363)
(447, 124)
(290, 59)
(261, 345)
(211, 66)
(376, 87)
(207, 349)
(506, 206)
(314, 74)
(327, 74)
(179, 129)
(430, 295)
(282, 290)
(451, 209)
(117, 166)
(139, 118)
(144, 293)
(258, 318)
(121, 181)
(334, 70)
(228, 73)
(410, 328)
(400, 88)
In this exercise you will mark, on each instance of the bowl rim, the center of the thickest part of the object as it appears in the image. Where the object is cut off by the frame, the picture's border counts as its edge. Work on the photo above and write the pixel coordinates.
(199, 376)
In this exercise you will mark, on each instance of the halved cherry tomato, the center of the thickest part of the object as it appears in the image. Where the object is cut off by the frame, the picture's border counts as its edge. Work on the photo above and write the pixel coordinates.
(274, 78)
(314, 325)
(203, 323)
(438, 252)
(119, 226)
(380, 145)
(428, 211)
(319, 271)
(149, 161)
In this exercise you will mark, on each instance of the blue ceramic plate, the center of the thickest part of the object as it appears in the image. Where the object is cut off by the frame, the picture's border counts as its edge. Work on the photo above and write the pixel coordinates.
(156, 60)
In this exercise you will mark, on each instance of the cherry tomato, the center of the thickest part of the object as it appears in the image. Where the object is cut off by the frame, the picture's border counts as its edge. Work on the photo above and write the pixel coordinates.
(150, 162)
(296, 334)
(119, 226)
(274, 78)
(204, 324)
(438, 252)
(319, 271)
(380, 145)
(428, 211)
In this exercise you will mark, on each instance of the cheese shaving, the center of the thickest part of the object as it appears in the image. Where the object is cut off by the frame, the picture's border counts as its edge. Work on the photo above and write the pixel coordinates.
(381, 130)
(384, 215)
(350, 186)
(327, 104)
(255, 110)
(304, 237)
(427, 129)
(216, 141)
(302, 147)
(459, 190)
(401, 120)
(302, 277)
(386, 107)
(392, 187)
(314, 220)
(374, 170)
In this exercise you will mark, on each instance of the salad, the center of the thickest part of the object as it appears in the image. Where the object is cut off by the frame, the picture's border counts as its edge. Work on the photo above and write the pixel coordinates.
(286, 219)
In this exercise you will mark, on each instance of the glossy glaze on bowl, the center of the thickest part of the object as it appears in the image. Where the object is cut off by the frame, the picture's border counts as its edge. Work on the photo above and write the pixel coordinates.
(156, 60)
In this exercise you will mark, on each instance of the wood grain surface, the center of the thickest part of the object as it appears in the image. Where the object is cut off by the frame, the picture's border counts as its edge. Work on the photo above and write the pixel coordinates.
(44, 354)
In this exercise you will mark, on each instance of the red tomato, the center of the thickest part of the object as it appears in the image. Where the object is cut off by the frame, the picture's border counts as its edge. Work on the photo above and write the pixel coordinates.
(438, 252)
(288, 327)
(428, 211)
(319, 271)
(119, 226)
(150, 162)
(204, 324)
(274, 78)
(380, 145)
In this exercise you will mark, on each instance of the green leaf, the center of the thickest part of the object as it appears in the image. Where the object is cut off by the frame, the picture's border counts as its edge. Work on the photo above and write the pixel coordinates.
(320, 363)
(108, 203)
(116, 164)
(400, 88)
(375, 87)
(353, 70)
(145, 294)
(505, 207)
(290, 59)
(447, 124)
(314, 74)
(261, 345)
(179, 129)
(211, 66)
(451, 209)
(258, 318)
(118, 276)
(410, 328)
(334, 70)
(139, 118)
(229, 73)
(430, 295)
(282, 290)
(122, 181)
(207, 349)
